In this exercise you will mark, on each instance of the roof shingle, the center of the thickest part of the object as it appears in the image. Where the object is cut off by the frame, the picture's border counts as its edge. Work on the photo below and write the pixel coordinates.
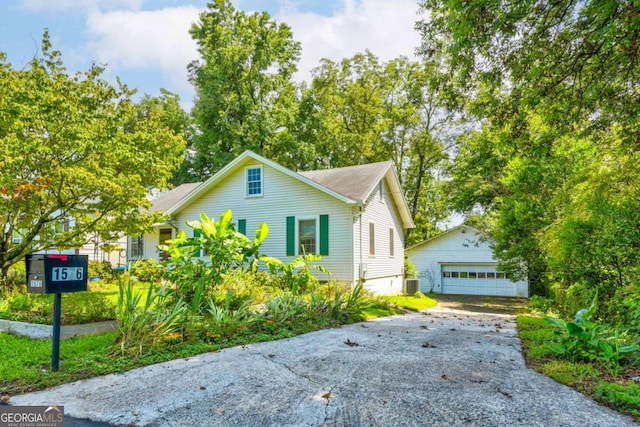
(354, 182)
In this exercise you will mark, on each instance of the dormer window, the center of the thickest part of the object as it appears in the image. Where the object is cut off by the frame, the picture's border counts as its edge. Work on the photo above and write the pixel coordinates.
(254, 181)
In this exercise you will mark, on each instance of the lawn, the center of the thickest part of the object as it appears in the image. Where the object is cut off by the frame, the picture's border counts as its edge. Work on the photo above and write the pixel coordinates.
(95, 305)
(418, 302)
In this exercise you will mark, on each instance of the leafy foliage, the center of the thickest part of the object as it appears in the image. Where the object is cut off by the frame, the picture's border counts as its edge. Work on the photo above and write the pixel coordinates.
(584, 339)
(296, 275)
(77, 158)
(145, 321)
(199, 263)
(147, 271)
(554, 164)
(360, 110)
(244, 94)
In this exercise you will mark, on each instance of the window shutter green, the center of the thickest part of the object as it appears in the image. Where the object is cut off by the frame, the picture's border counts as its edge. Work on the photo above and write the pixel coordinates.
(242, 226)
(324, 234)
(291, 236)
(196, 234)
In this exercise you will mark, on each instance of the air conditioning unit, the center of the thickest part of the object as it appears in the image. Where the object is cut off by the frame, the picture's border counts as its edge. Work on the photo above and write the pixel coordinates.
(411, 286)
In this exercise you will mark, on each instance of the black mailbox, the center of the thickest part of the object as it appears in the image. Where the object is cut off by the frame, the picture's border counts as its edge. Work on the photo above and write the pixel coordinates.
(56, 273)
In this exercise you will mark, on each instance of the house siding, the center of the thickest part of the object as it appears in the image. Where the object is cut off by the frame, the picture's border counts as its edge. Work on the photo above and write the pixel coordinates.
(282, 197)
(384, 273)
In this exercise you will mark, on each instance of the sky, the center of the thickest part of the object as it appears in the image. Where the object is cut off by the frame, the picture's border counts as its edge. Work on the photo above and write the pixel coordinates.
(146, 43)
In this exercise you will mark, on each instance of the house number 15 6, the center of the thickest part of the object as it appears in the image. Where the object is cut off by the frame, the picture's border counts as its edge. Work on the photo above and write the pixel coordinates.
(61, 274)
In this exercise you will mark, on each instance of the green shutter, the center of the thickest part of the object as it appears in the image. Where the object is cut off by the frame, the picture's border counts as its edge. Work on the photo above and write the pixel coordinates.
(291, 236)
(196, 234)
(242, 226)
(324, 234)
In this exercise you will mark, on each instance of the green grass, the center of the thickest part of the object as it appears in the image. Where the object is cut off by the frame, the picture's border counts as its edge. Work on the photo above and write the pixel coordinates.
(381, 311)
(593, 379)
(413, 303)
(95, 305)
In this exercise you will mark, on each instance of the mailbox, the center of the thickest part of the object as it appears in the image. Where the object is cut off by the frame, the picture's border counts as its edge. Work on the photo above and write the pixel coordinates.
(56, 273)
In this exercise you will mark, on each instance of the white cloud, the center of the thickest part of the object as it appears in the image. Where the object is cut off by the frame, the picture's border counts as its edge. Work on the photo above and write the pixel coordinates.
(156, 40)
(130, 39)
(58, 5)
(384, 27)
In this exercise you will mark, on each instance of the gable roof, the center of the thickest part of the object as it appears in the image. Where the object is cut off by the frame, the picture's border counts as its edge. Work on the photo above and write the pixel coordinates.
(446, 233)
(165, 201)
(352, 185)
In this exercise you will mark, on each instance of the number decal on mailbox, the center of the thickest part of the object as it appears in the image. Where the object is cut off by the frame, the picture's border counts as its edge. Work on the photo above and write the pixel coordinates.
(60, 274)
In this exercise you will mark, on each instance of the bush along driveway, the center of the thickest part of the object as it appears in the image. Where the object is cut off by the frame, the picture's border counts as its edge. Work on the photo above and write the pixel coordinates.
(441, 367)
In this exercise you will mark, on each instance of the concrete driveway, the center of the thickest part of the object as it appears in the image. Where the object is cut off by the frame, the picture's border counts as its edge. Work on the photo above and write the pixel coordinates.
(444, 367)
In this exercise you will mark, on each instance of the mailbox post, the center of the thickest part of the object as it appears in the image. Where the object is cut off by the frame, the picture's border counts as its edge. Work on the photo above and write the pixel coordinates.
(56, 274)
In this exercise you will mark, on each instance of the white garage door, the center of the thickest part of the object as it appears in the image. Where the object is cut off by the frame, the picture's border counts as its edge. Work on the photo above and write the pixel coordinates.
(476, 280)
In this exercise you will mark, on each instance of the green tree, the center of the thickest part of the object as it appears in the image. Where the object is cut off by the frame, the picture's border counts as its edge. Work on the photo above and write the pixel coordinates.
(167, 111)
(553, 166)
(578, 59)
(77, 158)
(245, 98)
(362, 111)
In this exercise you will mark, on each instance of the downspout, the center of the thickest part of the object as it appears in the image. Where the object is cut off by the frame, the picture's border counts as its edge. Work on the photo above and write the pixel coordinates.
(172, 223)
(360, 211)
(353, 242)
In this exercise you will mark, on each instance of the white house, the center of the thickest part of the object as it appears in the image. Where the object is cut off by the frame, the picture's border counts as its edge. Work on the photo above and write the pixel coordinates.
(460, 261)
(354, 217)
(113, 251)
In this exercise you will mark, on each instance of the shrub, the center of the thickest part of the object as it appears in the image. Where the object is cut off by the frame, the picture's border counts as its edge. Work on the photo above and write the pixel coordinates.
(77, 308)
(102, 269)
(346, 305)
(569, 300)
(226, 249)
(148, 324)
(419, 295)
(147, 271)
(285, 307)
(296, 276)
(624, 309)
(409, 269)
(539, 304)
(16, 279)
(223, 321)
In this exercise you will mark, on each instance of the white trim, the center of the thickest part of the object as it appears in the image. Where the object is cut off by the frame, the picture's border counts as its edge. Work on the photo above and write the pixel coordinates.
(447, 232)
(227, 170)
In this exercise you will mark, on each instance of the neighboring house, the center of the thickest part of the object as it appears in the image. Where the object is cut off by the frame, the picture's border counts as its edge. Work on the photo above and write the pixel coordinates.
(460, 261)
(113, 251)
(354, 217)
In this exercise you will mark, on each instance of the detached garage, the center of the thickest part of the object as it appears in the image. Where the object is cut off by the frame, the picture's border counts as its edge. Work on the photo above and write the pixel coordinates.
(460, 261)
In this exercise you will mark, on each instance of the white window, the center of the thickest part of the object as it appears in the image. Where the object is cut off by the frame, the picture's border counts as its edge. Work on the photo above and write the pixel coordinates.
(307, 236)
(254, 181)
